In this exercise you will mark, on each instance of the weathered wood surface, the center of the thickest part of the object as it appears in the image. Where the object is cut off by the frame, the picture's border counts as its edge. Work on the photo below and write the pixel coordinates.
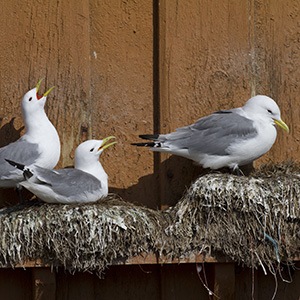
(133, 67)
(126, 68)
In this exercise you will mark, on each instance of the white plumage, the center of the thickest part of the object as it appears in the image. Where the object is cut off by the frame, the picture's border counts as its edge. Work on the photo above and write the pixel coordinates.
(87, 182)
(39, 145)
(227, 138)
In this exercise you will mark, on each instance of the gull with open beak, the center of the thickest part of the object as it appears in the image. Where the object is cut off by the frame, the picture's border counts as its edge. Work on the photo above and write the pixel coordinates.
(40, 144)
(87, 182)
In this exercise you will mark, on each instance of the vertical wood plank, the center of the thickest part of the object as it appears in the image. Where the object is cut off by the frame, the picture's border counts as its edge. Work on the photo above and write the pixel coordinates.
(277, 69)
(15, 284)
(181, 282)
(122, 93)
(51, 40)
(80, 285)
(204, 67)
(44, 284)
(119, 282)
(224, 281)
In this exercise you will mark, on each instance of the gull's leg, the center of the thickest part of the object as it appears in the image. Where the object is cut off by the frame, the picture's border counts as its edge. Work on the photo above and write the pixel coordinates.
(238, 171)
(19, 191)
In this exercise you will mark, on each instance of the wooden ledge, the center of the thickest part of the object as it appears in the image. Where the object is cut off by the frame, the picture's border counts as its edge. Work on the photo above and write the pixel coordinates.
(143, 259)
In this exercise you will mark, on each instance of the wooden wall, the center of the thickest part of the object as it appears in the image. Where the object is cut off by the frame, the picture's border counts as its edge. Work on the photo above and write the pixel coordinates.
(131, 67)
(126, 68)
(150, 282)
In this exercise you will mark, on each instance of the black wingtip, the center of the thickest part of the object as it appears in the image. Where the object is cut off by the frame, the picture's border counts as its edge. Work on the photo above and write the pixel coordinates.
(15, 164)
(27, 174)
(151, 144)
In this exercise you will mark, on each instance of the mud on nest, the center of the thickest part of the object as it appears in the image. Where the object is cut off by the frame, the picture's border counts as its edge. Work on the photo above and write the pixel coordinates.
(252, 220)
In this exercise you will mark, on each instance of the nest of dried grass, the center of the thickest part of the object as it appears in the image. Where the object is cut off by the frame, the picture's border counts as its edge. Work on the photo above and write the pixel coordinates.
(251, 220)
(86, 237)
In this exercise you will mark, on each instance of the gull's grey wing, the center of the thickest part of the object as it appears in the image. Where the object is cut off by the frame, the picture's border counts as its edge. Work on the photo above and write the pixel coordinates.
(67, 182)
(21, 151)
(212, 134)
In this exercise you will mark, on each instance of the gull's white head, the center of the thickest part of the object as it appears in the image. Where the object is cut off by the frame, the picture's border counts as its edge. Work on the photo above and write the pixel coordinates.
(266, 108)
(32, 102)
(88, 152)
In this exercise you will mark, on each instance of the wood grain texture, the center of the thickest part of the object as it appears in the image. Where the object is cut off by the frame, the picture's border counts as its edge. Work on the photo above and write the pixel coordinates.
(122, 93)
(44, 284)
(50, 40)
(203, 68)
(126, 68)
(276, 69)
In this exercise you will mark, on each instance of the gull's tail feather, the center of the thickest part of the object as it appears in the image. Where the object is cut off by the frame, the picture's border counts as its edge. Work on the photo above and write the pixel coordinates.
(26, 172)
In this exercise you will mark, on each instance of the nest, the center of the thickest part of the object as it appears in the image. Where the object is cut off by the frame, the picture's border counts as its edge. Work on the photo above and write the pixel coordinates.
(86, 237)
(251, 220)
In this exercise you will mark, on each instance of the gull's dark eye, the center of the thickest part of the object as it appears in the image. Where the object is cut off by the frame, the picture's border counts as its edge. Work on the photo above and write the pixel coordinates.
(269, 111)
(92, 150)
(30, 99)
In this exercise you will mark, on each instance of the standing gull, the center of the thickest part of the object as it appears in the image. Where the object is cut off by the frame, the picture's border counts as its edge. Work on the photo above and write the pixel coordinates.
(226, 138)
(39, 145)
(87, 182)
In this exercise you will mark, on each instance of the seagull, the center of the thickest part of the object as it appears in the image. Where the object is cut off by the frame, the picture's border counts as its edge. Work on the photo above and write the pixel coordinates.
(39, 145)
(87, 182)
(226, 138)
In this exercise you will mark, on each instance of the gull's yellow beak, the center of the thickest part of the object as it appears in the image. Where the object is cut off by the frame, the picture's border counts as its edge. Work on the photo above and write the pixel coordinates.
(38, 85)
(48, 91)
(282, 125)
(37, 90)
(102, 147)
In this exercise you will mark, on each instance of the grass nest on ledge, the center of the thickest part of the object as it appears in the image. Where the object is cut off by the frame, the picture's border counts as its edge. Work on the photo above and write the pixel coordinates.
(252, 220)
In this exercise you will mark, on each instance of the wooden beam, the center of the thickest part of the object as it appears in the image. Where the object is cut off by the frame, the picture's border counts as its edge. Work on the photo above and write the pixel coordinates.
(44, 284)
(142, 259)
(224, 281)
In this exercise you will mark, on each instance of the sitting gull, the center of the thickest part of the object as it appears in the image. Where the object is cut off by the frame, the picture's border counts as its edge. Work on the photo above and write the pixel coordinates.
(39, 145)
(226, 138)
(87, 182)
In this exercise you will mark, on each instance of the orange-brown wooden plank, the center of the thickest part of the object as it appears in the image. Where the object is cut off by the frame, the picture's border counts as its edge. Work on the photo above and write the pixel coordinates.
(277, 68)
(51, 40)
(144, 259)
(204, 67)
(122, 93)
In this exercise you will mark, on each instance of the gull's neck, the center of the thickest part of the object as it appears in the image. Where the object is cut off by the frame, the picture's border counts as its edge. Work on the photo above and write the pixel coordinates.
(94, 169)
(37, 124)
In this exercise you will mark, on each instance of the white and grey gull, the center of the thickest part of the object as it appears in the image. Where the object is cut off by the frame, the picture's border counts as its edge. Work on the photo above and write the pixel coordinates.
(40, 144)
(226, 138)
(87, 182)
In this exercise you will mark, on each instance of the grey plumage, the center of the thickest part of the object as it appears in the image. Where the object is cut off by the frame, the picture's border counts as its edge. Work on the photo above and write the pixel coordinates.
(73, 184)
(21, 151)
(227, 138)
(211, 135)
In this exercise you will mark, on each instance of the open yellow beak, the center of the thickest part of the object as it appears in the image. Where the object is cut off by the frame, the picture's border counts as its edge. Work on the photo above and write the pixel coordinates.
(37, 89)
(282, 125)
(102, 147)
